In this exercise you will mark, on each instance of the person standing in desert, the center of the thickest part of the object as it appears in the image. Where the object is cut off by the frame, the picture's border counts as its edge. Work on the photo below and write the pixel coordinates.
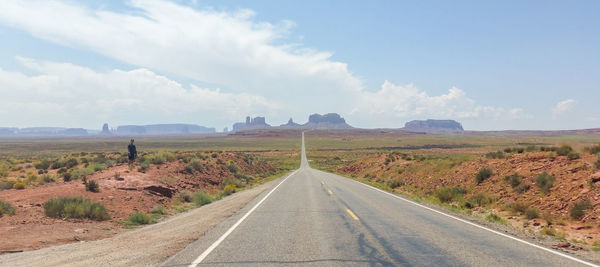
(132, 152)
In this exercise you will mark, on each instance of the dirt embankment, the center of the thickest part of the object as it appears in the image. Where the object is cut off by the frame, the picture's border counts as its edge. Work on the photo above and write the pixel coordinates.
(123, 191)
(576, 181)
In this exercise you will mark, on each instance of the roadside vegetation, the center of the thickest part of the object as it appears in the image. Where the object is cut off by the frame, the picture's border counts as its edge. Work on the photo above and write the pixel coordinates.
(75, 208)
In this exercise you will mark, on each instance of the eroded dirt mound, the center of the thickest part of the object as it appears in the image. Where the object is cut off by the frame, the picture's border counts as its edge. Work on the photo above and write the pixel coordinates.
(123, 190)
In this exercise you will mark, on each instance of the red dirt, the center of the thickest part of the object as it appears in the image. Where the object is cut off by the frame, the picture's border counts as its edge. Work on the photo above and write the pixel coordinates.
(30, 229)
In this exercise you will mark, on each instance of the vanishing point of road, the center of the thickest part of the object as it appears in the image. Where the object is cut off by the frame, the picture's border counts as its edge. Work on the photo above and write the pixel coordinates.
(315, 218)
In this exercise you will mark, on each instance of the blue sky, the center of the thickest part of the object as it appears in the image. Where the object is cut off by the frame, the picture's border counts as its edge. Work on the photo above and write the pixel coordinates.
(502, 65)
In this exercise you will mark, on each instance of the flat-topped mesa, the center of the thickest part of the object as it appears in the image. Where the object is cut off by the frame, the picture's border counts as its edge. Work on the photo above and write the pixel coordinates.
(327, 121)
(433, 126)
(177, 128)
(251, 124)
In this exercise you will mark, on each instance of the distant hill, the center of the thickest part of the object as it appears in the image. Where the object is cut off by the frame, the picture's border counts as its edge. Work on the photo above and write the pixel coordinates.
(158, 129)
(43, 131)
(433, 126)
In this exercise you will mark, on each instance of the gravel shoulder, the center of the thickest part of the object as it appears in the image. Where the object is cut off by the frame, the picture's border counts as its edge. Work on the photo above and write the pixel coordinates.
(149, 245)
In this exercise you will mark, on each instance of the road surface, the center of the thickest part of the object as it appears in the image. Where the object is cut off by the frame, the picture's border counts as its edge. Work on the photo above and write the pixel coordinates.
(320, 219)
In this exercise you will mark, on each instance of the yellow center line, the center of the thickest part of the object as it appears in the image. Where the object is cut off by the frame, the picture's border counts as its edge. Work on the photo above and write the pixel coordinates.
(352, 214)
(329, 191)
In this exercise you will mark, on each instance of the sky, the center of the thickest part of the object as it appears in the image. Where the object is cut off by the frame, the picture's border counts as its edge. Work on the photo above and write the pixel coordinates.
(491, 65)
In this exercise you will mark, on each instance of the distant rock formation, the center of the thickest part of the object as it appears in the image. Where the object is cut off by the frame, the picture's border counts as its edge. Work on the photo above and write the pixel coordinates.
(327, 121)
(43, 131)
(433, 126)
(251, 124)
(315, 121)
(290, 125)
(163, 129)
(105, 130)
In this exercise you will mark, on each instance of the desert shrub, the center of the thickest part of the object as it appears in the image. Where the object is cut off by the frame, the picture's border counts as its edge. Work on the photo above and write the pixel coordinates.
(598, 162)
(201, 199)
(62, 170)
(80, 173)
(76, 207)
(522, 188)
(96, 167)
(492, 217)
(19, 185)
(6, 208)
(42, 165)
(579, 208)
(241, 177)
(483, 174)
(6, 185)
(495, 155)
(229, 189)
(232, 167)
(595, 149)
(66, 176)
(564, 150)
(92, 186)
(531, 148)
(394, 183)
(573, 155)
(508, 150)
(232, 181)
(548, 217)
(188, 169)
(144, 166)
(514, 180)
(548, 231)
(518, 207)
(159, 210)
(545, 181)
(448, 194)
(479, 200)
(195, 165)
(138, 218)
(47, 178)
(532, 213)
(185, 196)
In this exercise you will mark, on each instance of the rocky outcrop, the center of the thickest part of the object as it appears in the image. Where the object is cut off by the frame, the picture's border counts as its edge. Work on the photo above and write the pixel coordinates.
(251, 124)
(433, 126)
(327, 121)
(290, 125)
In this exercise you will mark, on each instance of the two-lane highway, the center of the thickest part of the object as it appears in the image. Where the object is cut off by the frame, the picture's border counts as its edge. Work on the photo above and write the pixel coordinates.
(317, 218)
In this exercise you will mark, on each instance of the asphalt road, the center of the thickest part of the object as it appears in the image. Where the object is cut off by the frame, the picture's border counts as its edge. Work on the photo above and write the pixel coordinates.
(321, 219)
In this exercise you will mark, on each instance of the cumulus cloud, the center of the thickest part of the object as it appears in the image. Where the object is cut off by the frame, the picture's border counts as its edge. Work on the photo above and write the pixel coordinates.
(397, 101)
(60, 92)
(258, 71)
(563, 108)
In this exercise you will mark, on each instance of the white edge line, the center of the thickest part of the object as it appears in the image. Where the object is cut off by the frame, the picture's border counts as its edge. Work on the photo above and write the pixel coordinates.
(479, 226)
(233, 227)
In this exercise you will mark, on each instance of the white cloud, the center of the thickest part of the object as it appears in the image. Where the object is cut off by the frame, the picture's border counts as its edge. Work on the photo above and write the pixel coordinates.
(227, 48)
(563, 108)
(66, 92)
(396, 101)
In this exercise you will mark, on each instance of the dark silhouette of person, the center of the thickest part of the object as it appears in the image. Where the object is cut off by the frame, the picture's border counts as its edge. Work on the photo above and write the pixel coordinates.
(132, 152)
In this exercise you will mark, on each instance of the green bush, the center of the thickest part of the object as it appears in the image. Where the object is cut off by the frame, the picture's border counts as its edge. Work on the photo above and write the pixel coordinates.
(232, 181)
(532, 213)
(514, 180)
(78, 174)
(448, 194)
(592, 149)
(76, 207)
(232, 167)
(229, 189)
(185, 196)
(483, 174)
(6, 185)
(495, 155)
(195, 165)
(573, 155)
(159, 210)
(42, 165)
(6, 208)
(479, 200)
(394, 183)
(579, 208)
(144, 166)
(66, 176)
(201, 199)
(495, 218)
(564, 150)
(92, 186)
(522, 188)
(96, 167)
(545, 181)
(241, 177)
(47, 178)
(19, 185)
(139, 218)
(518, 207)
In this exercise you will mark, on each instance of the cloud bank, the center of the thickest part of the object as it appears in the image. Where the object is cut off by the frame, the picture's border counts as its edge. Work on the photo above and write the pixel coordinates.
(258, 70)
